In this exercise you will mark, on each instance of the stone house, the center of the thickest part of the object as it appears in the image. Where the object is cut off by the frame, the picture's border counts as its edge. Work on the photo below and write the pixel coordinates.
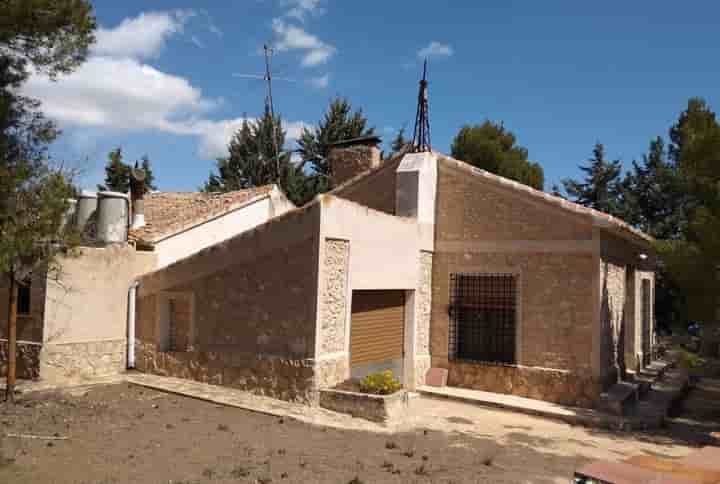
(74, 324)
(416, 261)
(411, 262)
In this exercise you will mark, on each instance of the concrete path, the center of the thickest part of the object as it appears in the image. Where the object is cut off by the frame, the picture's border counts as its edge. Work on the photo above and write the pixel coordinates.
(256, 403)
(572, 415)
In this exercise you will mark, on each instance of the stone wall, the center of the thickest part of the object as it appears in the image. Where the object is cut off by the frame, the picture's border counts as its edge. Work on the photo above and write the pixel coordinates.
(334, 297)
(254, 310)
(612, 320)
(27, 359)
(555, 310)
(558, 386)
(29, 326)
(471, 209)
(276, 377)
(423, 311)
(80, 361)
(622, 271)
(485, 228)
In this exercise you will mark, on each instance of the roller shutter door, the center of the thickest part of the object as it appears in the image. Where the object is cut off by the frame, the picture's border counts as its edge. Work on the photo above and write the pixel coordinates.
(378, 319)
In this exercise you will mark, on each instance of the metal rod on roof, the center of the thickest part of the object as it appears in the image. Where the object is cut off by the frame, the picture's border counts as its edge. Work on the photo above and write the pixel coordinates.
(421, 135)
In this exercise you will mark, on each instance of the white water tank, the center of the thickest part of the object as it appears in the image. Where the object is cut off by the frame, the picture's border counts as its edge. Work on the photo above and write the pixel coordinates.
(86, 207)
(112, 217)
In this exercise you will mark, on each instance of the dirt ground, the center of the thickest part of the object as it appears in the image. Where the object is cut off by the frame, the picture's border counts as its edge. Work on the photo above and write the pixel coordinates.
(128, 434)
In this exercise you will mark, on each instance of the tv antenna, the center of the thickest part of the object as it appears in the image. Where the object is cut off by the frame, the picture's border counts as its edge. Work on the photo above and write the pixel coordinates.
(421, 136)
(269, 104)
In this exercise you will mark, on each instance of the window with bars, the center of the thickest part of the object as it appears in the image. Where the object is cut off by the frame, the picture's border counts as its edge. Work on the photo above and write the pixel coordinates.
(483, 317)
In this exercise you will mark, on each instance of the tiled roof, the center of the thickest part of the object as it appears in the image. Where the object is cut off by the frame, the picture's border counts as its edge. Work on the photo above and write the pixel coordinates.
(168, 213)
(600, 218)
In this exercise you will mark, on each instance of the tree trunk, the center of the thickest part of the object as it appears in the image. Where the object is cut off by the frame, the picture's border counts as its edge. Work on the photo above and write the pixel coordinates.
(12, 342)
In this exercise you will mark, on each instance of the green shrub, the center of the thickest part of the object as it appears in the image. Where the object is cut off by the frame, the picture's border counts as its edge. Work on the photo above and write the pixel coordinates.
(688, 360)
(380, 383)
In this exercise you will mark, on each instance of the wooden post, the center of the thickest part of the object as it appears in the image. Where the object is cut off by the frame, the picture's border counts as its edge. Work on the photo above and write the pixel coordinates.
(12, 342)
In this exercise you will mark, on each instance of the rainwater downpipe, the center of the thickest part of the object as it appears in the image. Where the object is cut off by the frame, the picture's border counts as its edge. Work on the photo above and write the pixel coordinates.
(132, 295)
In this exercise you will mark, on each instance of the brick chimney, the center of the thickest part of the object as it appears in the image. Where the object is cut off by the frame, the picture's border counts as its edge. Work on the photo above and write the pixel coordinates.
(351, 157)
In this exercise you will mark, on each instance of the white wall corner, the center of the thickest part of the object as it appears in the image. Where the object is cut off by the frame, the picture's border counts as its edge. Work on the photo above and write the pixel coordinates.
(417, 187)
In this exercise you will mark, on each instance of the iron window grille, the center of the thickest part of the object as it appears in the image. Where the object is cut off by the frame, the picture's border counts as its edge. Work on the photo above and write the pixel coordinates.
(482, 313)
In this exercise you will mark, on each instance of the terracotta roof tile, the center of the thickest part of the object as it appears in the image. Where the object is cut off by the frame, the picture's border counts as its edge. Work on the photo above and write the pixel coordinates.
(168, 213)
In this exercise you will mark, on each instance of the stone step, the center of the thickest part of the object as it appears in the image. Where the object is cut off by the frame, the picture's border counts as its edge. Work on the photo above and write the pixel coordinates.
(652, 410)
(619, 398)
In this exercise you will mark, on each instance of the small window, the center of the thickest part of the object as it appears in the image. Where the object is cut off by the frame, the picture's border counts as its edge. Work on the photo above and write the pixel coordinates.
(23, 303)
(482, 317)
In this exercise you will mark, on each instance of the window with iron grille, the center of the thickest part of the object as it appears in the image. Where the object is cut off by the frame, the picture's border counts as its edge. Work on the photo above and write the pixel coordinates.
(482, 317)
(23, 302)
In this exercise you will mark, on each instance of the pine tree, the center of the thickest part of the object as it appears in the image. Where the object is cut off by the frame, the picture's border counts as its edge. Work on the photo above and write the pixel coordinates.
(600, 188)
(339, 123)
(693, 262)
(118, 173)
(50, 36)
(493, 148)
(253, 162)
(400, 142)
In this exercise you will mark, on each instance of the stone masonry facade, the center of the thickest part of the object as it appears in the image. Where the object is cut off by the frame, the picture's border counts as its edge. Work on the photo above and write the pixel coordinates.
(557, 386)
(80, 361)
(332, 366)
(423, 312)
(27, 359)
(612, 320)
(334, 296)
(254, 312)
(483, 228)
(282, 378)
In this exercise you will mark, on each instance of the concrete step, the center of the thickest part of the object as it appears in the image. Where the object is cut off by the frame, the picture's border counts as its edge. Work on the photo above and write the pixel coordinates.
(540, 408)
(619, 398)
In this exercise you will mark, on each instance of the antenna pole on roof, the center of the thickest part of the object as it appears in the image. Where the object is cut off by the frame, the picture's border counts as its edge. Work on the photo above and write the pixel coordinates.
(270, 107)
(421, 136)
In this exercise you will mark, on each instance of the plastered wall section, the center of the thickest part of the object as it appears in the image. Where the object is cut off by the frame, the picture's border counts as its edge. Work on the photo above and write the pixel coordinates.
(254, 310)
(484, 228)
(380, 251)
(221, 228)
(86, 312)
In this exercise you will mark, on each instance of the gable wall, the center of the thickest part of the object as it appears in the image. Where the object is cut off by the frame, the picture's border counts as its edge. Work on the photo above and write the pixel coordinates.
(482, 228)
(253, 300)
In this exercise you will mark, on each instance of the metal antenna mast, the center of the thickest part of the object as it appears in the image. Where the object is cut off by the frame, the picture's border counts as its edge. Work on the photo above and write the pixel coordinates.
(421, 136)
(270, 106)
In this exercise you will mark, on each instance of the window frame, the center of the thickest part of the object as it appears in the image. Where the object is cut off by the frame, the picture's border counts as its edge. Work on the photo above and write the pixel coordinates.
(514, 332)
(24, 299)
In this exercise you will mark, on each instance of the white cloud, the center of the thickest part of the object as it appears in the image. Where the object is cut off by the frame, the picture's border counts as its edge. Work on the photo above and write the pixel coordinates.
(300, 9)
(141, 37)
(124, 94)
(320, 82)
(117, 91)
(291, 37)
(435, 49)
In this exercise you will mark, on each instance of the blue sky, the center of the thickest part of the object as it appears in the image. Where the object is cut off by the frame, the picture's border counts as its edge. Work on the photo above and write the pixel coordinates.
(560, 74)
